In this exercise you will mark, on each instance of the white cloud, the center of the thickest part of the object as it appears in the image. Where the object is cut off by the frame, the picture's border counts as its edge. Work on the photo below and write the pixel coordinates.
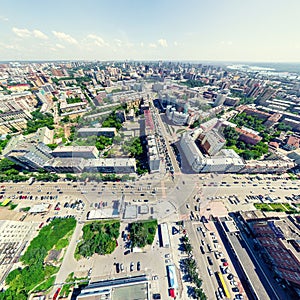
(24, 32)
(40, 35)
(10, 47)
(175, 43)
(60, 46)
(2, 18)
(152, 45)
(21, 32)
(142, 44)
(118, 42)
(163, 43)
(65, 37)
(97, 40)
(227, 43)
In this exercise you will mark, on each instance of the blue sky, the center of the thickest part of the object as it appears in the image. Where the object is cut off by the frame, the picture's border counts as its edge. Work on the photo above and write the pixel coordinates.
(225, 30)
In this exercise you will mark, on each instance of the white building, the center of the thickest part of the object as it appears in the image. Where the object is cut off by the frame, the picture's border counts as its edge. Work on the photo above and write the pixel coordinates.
(177, 117)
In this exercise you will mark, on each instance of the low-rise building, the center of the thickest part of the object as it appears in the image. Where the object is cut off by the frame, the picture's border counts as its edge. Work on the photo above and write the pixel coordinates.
(76, 151)
(110, 165)
(267, 166)
(27, 152)
(248, 137)
(99, 131)
(65, 165)
(277, 241)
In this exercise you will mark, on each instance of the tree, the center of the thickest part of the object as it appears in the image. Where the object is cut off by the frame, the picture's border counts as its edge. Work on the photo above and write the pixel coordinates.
(52, 146)
(283, 127)
(6, 164)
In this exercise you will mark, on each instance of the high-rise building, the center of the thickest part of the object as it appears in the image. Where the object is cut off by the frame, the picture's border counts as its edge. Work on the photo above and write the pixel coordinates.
(220, 99)
(211, 141)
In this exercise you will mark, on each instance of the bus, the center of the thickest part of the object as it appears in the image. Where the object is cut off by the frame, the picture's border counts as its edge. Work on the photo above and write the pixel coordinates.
(56, 294)
(5, 202)
(223, 284)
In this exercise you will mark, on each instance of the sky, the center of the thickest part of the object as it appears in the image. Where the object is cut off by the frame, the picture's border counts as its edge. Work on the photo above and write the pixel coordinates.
(215, 30)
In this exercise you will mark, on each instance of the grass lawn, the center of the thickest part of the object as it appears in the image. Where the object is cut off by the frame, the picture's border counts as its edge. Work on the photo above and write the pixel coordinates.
(279, 207)
(263, 206)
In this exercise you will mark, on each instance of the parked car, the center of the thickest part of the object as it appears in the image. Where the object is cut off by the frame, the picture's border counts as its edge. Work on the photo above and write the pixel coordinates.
(127, 252)
(210, 260)
(131, 266)
(117, 267)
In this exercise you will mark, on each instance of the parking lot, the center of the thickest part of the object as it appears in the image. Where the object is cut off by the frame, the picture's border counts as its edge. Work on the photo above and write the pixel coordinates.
(122, 262)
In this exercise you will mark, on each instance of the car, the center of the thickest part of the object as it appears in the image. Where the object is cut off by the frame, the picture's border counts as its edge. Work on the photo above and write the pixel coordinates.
(167, 261)
(210, 272)
(127, 252)
(131, 266)
(167, 255)
(230, 276)
(138, 266)
(202, 250)
(217, 295)
(121, 267)
(156, 296)
(210, 260)
(235, 289)
(117, 267)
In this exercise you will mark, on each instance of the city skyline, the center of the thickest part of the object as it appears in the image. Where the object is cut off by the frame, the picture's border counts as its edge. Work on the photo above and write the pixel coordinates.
(160, 30)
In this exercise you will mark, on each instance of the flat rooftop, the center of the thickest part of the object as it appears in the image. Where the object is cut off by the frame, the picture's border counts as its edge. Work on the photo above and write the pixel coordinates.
(131, 288)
